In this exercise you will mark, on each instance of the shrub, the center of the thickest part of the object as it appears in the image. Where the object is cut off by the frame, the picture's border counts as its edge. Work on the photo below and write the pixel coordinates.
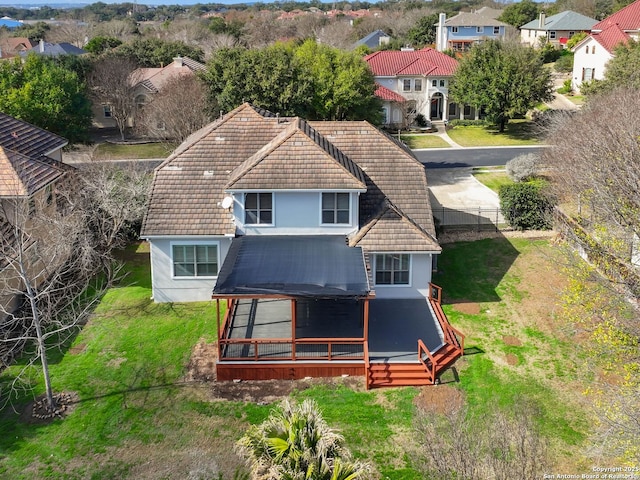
(549, 53)
(564, 64)
(566, 87)
(523, 167)
(420, 121)
(468, 123)
(526, 206)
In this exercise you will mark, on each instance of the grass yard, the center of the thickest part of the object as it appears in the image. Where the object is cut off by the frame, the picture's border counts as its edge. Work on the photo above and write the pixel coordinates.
(113, 151)
(517, 132)
(493, 178)
(424, 140)
(138, 416)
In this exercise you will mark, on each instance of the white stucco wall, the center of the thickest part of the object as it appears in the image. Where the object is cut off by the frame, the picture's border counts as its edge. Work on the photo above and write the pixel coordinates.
(420, 277)
(295, 213)
(166, 287)
(581, 59)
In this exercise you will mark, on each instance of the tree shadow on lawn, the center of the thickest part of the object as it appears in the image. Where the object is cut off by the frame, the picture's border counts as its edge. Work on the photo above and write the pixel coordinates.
(470, 270)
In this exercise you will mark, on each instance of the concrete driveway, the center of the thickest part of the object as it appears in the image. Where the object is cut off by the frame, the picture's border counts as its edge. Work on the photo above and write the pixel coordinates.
(457, 188)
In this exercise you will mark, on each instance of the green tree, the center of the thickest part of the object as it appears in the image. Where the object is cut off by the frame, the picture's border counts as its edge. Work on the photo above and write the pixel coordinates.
(153, 52)
(577, 38)
(424, 31)
(34, 32)
(47, 95)
(99, 44)
(505, 79)
(519, 13)
(296, 443)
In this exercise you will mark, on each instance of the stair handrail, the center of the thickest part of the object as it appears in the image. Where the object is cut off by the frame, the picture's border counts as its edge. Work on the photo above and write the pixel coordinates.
(367, 365)
(451, 334)
(423, 348)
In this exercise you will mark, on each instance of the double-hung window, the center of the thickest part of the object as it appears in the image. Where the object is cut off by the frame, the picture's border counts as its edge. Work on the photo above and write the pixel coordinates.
(406, 85)
(496, 30)
(392, 269)
(479, 29)
(195, 260)
(552, 34)
(417, 84)
(258, 209)
(335, 208)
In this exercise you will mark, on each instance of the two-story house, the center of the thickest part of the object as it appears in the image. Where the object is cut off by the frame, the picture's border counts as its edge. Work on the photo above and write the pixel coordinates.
(593, 53)
(460, 32)
(411, 82)
(556, 29)
(317, 241)
(30, 166)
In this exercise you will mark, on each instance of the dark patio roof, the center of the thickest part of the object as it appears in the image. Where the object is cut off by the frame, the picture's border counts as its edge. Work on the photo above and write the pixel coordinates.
(293, 266)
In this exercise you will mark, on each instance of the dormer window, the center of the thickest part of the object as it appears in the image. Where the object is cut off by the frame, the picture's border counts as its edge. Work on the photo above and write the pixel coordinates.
(335, 208)
(258, 209)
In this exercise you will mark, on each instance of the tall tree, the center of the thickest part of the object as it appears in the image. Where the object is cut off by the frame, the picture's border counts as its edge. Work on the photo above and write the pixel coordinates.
(504, 78)
(43, 93)
(153, 52)
(519, 13)
(424, 31)
(112, 82)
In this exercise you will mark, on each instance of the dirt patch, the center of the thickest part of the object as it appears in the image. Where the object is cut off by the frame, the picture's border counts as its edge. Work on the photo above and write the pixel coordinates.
(468, 308)
(39, 412)
(512, 359)
(202, 364)
(512, 341)
(78, 349)
(441, 399)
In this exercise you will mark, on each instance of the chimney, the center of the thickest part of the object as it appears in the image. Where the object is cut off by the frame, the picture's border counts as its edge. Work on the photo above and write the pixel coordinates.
(542, 19)
(441, 33)
(41, 46)
(177, 62)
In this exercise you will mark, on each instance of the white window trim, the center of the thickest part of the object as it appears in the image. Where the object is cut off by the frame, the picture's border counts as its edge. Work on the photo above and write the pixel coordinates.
(496, 30)
(415, 89)
(454, 29)
(552, 35)
(244, 210)
(189, 243)
(106, 111)
(393, 285)
(403, 83)
(336, 224)
(479, 29)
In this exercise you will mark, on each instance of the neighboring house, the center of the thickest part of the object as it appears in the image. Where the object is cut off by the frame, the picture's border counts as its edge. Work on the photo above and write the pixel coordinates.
(373, 40)
(148, 82)
(593, 53)
(556, 29)
(12, 46)
(54, 49)
(460, 32)
(319, 237)
(30, 166)
(9, 23)
(412, 82)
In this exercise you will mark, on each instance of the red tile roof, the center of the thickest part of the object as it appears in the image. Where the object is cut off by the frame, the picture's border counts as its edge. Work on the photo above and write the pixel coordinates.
(389, 95)
(627, 18)
(611, 37)
(428, 62)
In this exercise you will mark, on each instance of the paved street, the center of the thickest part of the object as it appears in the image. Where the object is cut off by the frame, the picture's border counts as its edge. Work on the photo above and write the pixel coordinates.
(471, 157)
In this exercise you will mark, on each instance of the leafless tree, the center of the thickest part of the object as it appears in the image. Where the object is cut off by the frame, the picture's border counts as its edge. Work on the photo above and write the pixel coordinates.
(121, 29)
(264, 29)
(113, 82)
(337, 34)
(70, 31)
(177, 111)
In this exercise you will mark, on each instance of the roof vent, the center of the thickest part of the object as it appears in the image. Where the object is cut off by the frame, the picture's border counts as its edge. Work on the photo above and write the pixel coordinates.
(173, 168)
(220, 139)
(208, 173)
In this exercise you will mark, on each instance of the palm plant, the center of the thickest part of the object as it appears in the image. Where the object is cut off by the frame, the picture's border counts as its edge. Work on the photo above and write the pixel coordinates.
(295, 443)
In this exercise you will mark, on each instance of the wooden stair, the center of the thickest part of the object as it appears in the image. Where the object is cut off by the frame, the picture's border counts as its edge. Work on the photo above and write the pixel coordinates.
(412, 374)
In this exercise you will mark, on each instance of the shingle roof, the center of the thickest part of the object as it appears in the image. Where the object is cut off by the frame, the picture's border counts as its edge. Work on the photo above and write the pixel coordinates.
(189, 186)
(567, 20)
(386, 94)
(428, 62)
(153, 79)
(474, 19)
(372, 40)
(611, 37)
(21, 175)
(54, 49)
(627, 18)
(311, 163)
(27, 139)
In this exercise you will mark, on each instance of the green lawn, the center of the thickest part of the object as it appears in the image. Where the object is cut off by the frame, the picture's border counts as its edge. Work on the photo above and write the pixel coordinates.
(517, 132)
(138, 418)
(424, 140)
(492, 178)
(113, 151)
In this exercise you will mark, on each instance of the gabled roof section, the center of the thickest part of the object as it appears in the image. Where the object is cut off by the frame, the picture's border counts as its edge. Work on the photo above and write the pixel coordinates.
(392, 231)
(567, 20)
(298, 158)
(189, 185)
(54, 49)
(21, 175)
(475, 19)
(22, 137)
(427, 62)
(153, 79)
(389, 95)
(627, 19)
(611, 37)
(372, 40)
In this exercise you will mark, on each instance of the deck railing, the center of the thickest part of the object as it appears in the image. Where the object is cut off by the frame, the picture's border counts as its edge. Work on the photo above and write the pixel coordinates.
(452, 335)
(367, 365)
(422, 351)
(326, 349)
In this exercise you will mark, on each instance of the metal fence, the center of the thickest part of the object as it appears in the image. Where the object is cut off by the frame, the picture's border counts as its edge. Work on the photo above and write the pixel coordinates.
(469, 218)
